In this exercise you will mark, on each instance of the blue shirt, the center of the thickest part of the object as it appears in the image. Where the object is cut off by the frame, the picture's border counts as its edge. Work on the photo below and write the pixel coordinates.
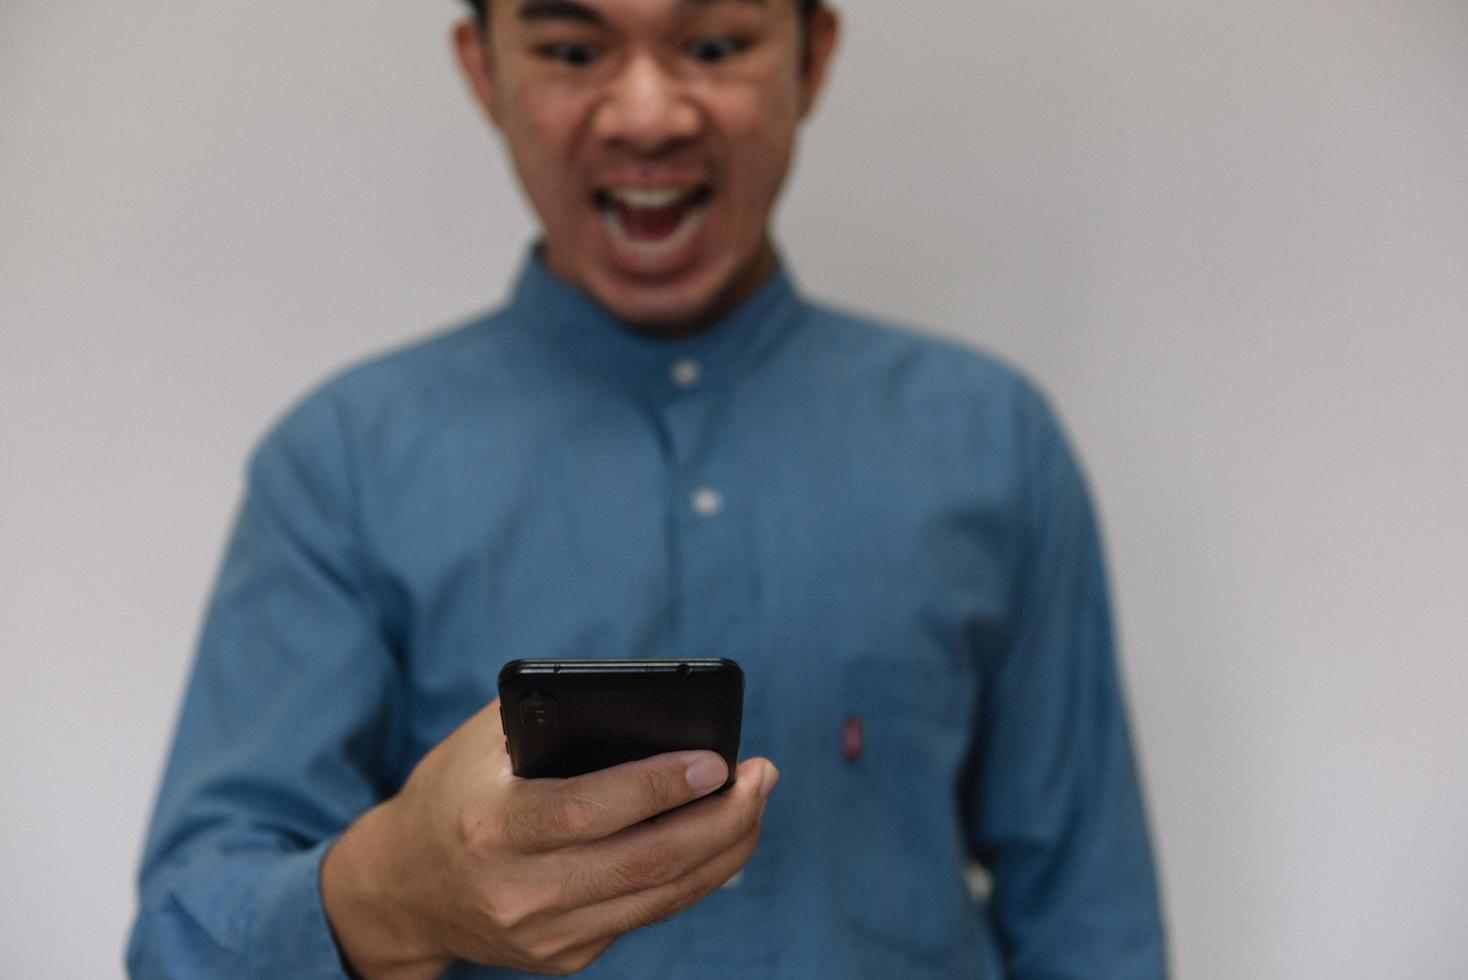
(876, 524)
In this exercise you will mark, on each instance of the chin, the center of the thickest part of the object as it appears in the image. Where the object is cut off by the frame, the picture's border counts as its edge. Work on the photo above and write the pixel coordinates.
(661, 309)
(661, 318)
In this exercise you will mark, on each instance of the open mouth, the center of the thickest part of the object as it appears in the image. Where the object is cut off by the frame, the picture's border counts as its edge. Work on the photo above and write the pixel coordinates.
(650, 223)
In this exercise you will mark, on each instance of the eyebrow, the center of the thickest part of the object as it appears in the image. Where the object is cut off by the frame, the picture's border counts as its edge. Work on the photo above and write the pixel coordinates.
(559, 10)
(571, 10)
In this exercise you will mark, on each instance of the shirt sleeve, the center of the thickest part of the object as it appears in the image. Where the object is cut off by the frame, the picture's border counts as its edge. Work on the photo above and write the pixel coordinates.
(1056, 810)
(283, 733)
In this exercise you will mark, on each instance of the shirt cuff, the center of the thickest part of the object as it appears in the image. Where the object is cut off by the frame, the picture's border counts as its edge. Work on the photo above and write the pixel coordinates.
(291, 935)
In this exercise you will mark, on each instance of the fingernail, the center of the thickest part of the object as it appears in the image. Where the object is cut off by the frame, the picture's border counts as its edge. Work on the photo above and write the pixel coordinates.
(768, 781)
(706, 774)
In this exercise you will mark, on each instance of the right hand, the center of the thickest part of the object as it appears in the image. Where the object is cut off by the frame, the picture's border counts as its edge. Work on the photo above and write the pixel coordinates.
(471, 862)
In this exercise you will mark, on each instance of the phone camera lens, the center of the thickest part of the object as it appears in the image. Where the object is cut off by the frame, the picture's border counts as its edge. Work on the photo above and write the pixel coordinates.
(539, 711)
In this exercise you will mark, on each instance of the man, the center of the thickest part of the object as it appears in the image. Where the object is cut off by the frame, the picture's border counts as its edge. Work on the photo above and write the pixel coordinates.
(657, 448)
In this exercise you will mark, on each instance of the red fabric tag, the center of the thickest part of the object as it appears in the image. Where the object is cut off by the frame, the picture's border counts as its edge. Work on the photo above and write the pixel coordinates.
(851, 738)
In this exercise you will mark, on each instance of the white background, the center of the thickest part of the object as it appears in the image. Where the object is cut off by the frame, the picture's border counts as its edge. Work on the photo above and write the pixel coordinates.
(1230, 238)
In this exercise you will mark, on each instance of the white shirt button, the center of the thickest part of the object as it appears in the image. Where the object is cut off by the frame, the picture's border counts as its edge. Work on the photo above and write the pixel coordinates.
(707, 501)
(686, 372)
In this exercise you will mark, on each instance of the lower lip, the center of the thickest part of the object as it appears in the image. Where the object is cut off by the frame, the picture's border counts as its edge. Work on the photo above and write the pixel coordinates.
(658, 258)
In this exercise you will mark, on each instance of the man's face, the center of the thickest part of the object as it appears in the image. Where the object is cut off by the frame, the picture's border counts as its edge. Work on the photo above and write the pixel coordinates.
(652, 138)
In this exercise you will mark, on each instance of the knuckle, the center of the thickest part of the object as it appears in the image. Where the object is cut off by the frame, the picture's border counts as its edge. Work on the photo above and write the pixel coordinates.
(501, 911)
(559, 819)
(475, 832)
(505, 910)
(648, 867)
(613, 880)
(626, 922)
(655, 912)
(544, 952)
(567, 817)
(576, 960)
(581, 880)
(665, 904)
(599, 881)
(657, 785)
(517, 829)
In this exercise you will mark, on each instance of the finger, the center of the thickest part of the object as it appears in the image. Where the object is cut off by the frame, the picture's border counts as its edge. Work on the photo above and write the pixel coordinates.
(659, 851)
(579, 957)
(620, 915)
(547, 814)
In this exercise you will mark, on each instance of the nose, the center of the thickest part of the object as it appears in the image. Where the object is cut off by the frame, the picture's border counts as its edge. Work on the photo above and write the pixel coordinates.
(646, 109)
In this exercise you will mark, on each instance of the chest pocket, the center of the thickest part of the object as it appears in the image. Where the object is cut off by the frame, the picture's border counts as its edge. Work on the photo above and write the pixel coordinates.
(900, 877)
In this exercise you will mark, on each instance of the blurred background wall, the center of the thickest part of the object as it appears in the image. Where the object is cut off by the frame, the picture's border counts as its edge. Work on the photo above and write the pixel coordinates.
(1230, 237)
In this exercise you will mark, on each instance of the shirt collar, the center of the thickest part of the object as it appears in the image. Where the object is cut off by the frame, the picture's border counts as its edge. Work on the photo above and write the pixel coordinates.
(554, 309)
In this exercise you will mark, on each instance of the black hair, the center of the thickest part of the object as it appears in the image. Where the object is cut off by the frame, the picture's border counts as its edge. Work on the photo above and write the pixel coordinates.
(807, 7)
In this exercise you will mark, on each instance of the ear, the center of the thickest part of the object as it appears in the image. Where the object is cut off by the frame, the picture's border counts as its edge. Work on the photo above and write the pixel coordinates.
(821, 34)
(471, 45)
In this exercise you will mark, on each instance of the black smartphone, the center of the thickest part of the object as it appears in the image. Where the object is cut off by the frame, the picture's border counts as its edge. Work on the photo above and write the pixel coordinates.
(568, 717)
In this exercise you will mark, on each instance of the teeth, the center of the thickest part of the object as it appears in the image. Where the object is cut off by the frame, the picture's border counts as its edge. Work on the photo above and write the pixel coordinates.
(651, 250)
(649, 197)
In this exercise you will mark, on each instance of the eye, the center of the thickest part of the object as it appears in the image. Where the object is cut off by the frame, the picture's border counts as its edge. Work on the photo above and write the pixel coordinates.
(574, 53)
(713, 49)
